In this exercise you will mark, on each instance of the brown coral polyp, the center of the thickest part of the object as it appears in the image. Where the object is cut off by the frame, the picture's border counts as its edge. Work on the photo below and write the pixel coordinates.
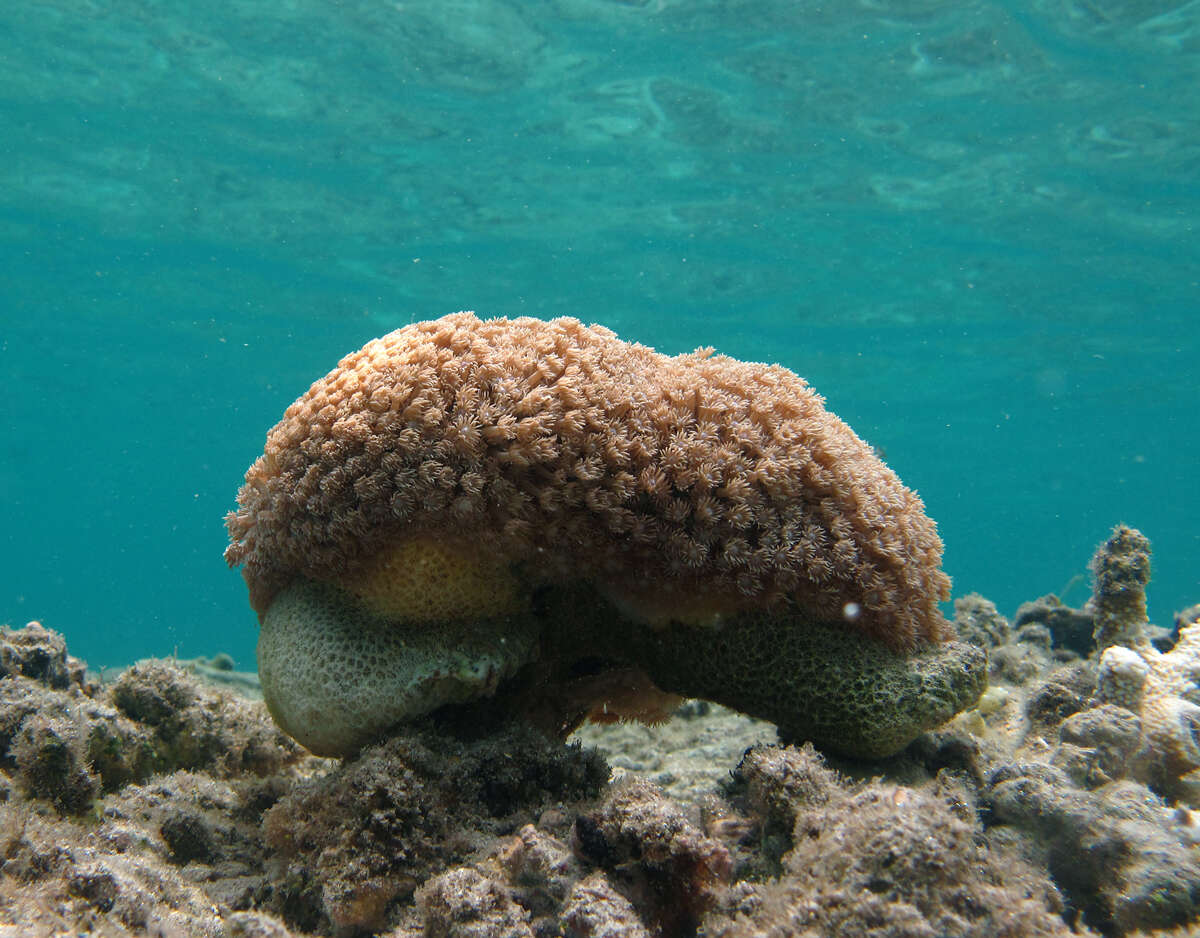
(575, 456)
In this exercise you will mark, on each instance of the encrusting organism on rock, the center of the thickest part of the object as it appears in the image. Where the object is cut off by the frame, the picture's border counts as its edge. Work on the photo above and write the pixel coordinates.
(1121, 571)
(462, 500)
(1161, 687)
(876, 858)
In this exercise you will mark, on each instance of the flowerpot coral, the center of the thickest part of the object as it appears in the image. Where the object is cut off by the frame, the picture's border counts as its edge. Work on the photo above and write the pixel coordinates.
(465, 506)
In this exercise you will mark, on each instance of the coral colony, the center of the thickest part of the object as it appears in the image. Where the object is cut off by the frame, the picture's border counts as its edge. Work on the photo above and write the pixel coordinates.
(465, 502)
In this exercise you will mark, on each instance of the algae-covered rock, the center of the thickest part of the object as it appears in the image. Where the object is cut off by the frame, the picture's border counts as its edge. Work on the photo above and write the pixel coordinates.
(878, 858)
(1120, 572)
(464, 903)
(1119, 853)
(655, 853)
(595, 909)
(976, 620)
(368, 833)
(191, 725)
(39, 654)
(51, 762)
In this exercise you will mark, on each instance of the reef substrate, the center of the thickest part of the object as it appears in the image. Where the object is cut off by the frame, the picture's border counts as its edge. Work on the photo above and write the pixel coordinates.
(160, 803)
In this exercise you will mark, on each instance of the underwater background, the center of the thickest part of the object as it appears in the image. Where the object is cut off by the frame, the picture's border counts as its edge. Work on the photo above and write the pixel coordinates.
(971, 226)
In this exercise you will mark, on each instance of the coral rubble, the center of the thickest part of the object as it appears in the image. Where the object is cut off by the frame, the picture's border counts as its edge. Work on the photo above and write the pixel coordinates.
(1091, 761)
(1120, 570)
(159, 805)
(881, 859)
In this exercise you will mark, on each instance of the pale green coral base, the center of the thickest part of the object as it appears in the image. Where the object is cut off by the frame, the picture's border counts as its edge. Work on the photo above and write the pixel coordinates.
(336, 677)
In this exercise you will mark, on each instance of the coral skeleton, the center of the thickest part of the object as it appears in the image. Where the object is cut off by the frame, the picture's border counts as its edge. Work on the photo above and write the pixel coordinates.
(1161, 687)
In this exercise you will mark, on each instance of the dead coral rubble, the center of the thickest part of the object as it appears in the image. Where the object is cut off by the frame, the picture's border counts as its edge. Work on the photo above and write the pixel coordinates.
(1038, 823)
(1117, 851)
(103, 828)
(1091, 762)
(1120, 572)
(878, 858)
(349, 843)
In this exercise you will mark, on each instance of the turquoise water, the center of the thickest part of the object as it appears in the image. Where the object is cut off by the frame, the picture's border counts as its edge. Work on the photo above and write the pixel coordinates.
(972, 226)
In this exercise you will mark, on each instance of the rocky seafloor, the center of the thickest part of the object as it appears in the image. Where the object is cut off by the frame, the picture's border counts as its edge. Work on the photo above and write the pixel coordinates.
(165, 802)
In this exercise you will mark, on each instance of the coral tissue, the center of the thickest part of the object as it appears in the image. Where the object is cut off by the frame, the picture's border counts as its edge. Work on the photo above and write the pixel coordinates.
(459, 469)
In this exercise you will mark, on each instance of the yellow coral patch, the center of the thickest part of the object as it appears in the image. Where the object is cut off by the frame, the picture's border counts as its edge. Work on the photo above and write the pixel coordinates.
(424, 579)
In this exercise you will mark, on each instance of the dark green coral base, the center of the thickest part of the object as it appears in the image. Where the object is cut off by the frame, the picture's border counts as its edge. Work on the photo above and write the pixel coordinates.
(816, 681)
